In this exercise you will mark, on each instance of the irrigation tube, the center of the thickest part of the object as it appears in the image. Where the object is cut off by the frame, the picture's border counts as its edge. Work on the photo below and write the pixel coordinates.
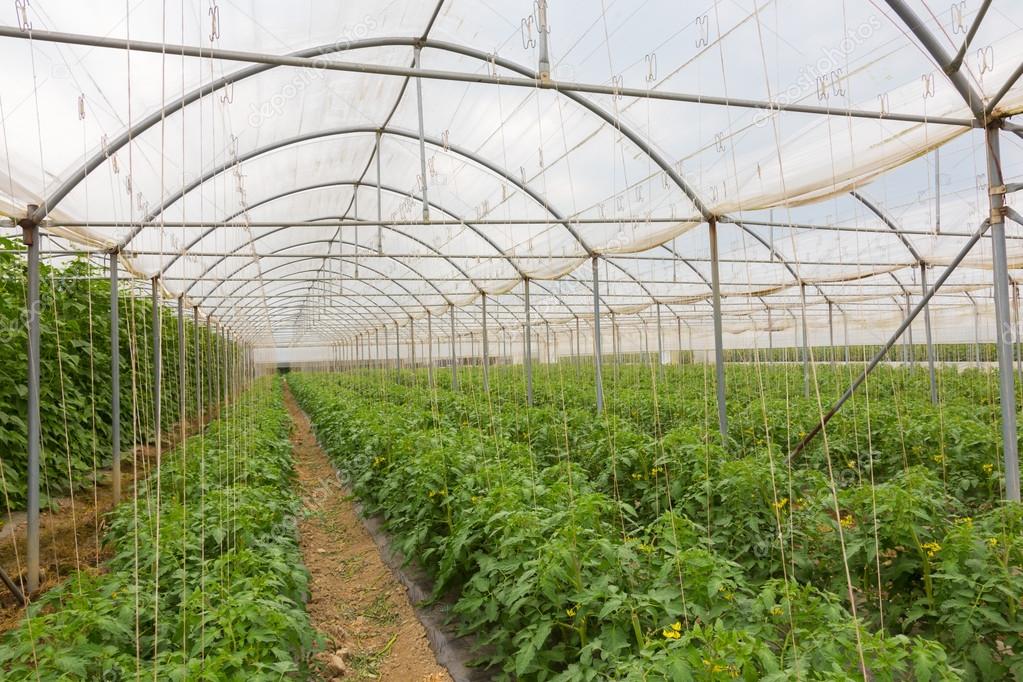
(891, 340)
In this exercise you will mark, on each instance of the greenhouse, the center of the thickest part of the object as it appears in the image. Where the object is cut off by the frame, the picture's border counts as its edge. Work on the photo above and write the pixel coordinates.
(329, 354)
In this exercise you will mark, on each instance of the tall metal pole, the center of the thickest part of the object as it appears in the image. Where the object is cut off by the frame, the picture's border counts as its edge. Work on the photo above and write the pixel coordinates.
(547, 341)
(198, 365)
(454, 356)
(678, 332)
(182, 377)
(845, 334)
(892, 340)
(429, 347)
(30, 235)
(529, 347)
(805, 341)
(909, 335)
(976, 334)
(422, 139)
(660, 345)
(597, 360)
(927, 333)
(578, 347)
(614, 346)
(158, 372)
(397, 348)
(485, 345)
(719, 352)
(1003, 321)
(380, 203)
(412, 341)
(831, 333)
(115, 380)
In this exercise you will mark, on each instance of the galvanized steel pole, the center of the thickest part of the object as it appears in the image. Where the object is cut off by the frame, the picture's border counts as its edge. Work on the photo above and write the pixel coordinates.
(30, 236)
(1003, 320)
(485, 345)
(454, 355)
(529, 346)
(927, 333)
(597, 360)
(115, 381)
(719, 352)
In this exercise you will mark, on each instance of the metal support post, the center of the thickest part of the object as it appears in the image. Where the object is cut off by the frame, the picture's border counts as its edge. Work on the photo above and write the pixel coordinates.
(805, 341)
(30, 236)
(911, 350)
(422, 138)
(927, 334)
(1003, 321)
(892, 340)
(529, 345)
(454, 357)
(719, 352)
(115, 380)
(597, 360)
(397, 348)
(660, 345)
(485, 344)
(158, 372)
(182, 377)
(831, 334)
(429, 347)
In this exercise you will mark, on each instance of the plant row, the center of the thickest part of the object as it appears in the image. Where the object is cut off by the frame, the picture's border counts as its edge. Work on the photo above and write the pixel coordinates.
(584, 549)
(204, 579)
(75, 373)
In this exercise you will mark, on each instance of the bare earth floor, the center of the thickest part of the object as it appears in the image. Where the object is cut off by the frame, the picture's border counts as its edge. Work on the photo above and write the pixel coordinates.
(356, 602)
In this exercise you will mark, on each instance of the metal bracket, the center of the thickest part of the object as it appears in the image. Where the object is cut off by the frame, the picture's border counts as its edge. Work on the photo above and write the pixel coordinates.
(29, 227)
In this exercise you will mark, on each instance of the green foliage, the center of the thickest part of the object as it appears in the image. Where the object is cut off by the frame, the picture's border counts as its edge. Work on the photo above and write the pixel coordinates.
(639, 546)
(75, 373)
(216, 593)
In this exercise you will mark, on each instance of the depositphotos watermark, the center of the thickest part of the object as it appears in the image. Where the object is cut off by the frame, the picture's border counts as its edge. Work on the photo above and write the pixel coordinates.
(261, 112)
(826, 76)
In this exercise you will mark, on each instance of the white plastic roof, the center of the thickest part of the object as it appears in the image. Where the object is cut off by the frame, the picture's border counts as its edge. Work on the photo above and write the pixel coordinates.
(522, 182)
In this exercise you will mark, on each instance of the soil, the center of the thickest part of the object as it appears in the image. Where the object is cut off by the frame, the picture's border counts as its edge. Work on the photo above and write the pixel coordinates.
(70, 535)
(370, 628)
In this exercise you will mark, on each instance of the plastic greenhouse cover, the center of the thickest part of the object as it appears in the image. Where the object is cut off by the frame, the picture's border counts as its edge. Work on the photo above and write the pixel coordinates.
(522, 182)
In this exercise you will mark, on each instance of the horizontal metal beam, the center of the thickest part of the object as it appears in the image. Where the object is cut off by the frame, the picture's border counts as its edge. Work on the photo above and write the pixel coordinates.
(623, 220)
(179, 50)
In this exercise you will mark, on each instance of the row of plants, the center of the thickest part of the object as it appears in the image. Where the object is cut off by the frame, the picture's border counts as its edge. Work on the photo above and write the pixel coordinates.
(75, 373)
(585, 548)
(204, 579)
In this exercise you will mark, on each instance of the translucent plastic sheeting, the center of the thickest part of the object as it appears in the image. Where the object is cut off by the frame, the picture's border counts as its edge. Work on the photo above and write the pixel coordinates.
(521, 182)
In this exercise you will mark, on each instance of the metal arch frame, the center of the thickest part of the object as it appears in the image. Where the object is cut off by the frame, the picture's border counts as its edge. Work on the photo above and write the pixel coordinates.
(50, 202)
(888, 222)
(234, 253)
(240, 303)
(956, 77)
(300, 259)
(451, 214)
(354, 130)
(361, 130)
(277, 293)
(409, 293)
(357, 184)
(346, 183)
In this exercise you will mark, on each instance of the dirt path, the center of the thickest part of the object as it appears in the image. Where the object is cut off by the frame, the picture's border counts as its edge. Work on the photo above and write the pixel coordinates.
(356, 602)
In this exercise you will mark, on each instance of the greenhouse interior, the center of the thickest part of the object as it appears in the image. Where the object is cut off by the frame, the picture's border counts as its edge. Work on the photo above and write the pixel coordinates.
(328, 353)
